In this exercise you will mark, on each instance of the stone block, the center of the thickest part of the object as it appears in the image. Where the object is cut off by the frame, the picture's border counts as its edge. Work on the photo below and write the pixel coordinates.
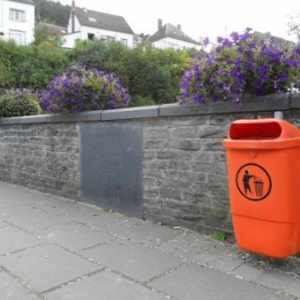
(87, 116)
(187, 132)
(130, 113)
(295, 101)
(255, 104)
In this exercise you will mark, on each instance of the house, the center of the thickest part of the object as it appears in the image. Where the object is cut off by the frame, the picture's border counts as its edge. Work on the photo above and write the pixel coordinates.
(51, 30)
(88, 24)
(17, 21)
(267, 36)
(170, 36)
(139, 38)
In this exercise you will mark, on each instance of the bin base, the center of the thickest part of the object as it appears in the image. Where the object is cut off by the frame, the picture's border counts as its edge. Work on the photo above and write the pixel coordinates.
(268, 238)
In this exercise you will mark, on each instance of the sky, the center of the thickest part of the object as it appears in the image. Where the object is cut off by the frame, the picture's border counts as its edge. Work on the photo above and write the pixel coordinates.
(199, 18)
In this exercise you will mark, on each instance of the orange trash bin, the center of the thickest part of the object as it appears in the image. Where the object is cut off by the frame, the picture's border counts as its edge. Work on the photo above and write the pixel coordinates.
(263, 162)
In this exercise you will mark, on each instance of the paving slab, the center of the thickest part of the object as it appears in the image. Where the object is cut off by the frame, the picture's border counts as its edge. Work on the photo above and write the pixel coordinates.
(3, 224)
(82, 214)
(138, 262)
(36, 221)
(225, 263)
(9, 209)
(144, 231)
(247, 272)
(53, 205)
(75, 236)
(94, 217)
(10, 192)
(105, 286)
(11, 289)
(195, 282)
(47, 266)
(21, 195)
(222, 257)
(65, 250)
(14, 239)
(189, 244)
(294, 289)
(275, 280)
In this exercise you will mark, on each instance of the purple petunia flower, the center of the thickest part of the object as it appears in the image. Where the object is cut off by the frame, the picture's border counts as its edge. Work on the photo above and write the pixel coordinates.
(84, 90)
(205, 41)
(198, 99)
(235, 37)
(241, 64)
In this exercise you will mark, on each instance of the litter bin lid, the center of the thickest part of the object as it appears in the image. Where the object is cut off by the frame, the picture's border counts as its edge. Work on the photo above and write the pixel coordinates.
(262, 134)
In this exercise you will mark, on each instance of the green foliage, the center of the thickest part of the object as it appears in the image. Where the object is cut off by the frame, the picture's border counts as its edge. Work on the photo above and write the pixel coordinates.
(52, 12)
(219, 236)
(138, 100)
(6, 75)
(151, 75)
(40, 36)
(30, 66)
(16, 103)
(107, 210)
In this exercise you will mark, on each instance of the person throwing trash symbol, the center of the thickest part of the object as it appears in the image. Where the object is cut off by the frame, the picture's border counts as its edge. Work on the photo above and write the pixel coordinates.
(246, 182)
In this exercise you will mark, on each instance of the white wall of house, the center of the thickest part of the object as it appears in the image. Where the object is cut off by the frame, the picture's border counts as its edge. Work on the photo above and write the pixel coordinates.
(69, 39)
(17, 22)
(173, 43)
(76, 23)
(84, 33)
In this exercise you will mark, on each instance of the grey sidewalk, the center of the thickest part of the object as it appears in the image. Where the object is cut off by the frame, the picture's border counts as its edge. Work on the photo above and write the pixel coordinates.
(55, 249)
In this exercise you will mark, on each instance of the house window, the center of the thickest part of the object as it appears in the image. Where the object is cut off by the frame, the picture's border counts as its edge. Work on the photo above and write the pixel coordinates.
(17, 15)
(91, 36)
(110, 38)
(19, 37)
(124, 42)
(107, 38)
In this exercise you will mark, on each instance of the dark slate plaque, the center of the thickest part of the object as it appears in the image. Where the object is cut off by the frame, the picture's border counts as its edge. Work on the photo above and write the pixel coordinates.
(111, 167)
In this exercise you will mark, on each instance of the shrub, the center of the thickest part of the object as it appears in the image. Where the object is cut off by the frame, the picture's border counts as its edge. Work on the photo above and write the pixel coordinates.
(37, 65)
(15, 103)
(6, 75)
(84, 90)
(147, 72)
(141, 101)
(239, 65)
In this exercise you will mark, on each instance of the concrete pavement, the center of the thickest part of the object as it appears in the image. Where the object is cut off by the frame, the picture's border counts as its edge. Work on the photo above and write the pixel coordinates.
(52, 248)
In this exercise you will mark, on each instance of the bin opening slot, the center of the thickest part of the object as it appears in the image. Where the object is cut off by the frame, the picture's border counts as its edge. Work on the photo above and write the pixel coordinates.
(268, 130)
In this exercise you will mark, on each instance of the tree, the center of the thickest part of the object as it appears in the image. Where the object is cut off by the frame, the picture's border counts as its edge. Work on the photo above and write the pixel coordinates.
(52, 12)
(91, 54)
(294, 25)
(31, 66)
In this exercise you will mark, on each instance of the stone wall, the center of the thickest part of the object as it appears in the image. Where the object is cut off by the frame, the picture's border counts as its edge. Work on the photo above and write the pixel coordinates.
(184, 163)
(44, 157)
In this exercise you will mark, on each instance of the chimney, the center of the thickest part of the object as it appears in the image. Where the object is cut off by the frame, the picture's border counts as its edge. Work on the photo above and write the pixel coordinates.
(73, 16)
(160, 24)
(179, 27)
